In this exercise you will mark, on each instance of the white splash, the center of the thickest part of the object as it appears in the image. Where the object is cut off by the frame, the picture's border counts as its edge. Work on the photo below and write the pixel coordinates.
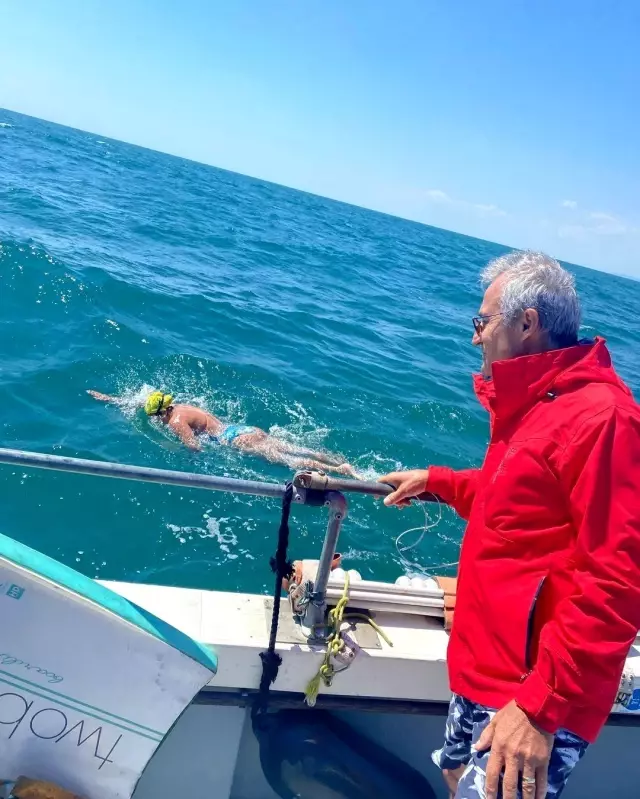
(184, 534)
(226, 540)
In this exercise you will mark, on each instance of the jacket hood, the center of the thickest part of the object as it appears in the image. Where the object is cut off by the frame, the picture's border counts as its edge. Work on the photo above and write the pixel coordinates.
(519, 382)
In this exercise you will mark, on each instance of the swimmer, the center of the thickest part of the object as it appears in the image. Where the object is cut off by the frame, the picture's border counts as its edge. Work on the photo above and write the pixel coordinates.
(189, 422)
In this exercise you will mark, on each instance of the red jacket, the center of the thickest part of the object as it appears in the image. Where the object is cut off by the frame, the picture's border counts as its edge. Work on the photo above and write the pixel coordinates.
(548, 600)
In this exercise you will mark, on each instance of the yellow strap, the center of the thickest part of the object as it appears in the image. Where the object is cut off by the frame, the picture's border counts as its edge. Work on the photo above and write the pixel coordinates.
(369, 620)
(335, 644)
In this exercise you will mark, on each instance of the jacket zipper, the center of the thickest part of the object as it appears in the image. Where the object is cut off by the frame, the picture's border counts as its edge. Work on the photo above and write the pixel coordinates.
(530, 620)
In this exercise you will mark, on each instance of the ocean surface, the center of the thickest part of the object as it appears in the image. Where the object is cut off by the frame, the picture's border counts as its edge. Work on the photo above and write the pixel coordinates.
(123, 269)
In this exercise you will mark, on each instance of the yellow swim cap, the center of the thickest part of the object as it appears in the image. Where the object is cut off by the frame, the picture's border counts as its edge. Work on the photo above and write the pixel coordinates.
(157, 403)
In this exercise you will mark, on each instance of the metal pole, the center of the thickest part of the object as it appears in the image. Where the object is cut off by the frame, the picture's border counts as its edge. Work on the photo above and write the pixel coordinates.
(317, 607)
(142, 473)
(317, 481)
(303, 480)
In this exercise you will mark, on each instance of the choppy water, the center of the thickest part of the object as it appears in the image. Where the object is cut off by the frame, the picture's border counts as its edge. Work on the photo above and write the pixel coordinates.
(122, 268)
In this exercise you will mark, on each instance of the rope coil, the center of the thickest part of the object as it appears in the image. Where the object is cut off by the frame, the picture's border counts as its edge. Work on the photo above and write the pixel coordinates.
(336, 645)
(423, 530)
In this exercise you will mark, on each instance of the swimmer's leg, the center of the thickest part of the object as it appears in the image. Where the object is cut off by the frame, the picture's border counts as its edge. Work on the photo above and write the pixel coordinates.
(305, 452)
(343, 469)
(274, 453)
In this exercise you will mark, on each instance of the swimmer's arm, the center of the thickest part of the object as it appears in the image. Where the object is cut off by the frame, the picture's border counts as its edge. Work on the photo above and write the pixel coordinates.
(185, 434)
(102, 397)
(110, 398)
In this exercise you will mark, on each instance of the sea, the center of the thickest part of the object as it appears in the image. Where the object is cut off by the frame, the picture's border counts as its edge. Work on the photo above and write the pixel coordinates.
(331, 326)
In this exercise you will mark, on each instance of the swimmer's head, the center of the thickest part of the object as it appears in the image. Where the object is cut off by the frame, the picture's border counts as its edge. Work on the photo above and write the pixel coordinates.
(157, 403)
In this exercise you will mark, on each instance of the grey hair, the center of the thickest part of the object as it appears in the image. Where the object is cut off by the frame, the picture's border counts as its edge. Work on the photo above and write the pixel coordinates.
(535, 280)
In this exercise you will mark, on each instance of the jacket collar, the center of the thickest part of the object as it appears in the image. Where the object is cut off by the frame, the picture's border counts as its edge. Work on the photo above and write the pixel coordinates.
(519, 382)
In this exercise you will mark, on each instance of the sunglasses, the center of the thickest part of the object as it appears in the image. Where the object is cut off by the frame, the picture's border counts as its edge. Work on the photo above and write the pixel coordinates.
(480, 322)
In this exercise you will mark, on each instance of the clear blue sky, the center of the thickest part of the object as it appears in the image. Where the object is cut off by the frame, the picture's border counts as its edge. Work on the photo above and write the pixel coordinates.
(514, 121)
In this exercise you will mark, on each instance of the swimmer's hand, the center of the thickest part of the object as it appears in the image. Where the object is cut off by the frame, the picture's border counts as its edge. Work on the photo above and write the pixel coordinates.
(408, 486)
(102, 397)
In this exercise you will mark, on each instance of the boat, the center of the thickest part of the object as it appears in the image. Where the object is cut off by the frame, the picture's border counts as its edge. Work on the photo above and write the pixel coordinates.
(110, 690)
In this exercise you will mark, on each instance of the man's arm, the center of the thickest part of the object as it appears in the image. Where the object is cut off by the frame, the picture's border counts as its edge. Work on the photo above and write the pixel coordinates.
(457, 489)
(583, 649)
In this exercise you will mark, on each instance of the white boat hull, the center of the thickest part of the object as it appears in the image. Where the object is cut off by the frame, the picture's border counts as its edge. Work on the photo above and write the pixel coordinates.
(110, 664)
(398, 697)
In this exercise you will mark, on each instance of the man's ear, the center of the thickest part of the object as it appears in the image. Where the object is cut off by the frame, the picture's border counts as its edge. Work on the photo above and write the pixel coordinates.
(530, 322)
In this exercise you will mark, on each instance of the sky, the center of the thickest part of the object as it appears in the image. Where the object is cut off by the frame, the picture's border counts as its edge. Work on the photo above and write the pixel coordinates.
(509, 120)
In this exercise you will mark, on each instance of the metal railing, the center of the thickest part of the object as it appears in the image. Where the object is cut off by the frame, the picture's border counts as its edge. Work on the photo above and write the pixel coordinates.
(310, 488)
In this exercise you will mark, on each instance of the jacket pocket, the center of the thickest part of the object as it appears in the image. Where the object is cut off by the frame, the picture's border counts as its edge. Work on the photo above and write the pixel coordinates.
(497, 615)
(530, 626)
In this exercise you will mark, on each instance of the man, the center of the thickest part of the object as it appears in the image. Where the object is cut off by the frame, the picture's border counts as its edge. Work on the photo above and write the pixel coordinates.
(548, 600)
(190, 423)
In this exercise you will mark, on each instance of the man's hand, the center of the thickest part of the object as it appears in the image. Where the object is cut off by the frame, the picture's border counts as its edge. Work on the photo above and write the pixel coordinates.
(407, 484)
(517, 747)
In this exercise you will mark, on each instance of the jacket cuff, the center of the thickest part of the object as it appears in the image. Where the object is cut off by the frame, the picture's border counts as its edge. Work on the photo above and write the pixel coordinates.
(544, 708)
(441, 483)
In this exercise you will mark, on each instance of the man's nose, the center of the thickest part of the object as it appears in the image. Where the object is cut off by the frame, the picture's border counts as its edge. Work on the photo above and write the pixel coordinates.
(476, 339)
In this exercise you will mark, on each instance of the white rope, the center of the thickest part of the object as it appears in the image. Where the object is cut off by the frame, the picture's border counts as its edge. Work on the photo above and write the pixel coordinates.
(423, 529)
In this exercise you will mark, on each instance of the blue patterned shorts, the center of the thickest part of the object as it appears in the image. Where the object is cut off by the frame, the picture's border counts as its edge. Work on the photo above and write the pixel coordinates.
(465, 724)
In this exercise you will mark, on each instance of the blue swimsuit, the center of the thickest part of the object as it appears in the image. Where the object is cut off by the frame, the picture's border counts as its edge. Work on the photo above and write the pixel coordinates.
(230, 433)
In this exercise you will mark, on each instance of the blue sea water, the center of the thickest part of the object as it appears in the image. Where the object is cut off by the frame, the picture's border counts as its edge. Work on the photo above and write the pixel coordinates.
(336, 327)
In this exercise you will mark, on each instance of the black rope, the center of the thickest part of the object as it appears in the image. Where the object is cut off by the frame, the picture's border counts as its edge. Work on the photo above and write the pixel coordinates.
(283, 569)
